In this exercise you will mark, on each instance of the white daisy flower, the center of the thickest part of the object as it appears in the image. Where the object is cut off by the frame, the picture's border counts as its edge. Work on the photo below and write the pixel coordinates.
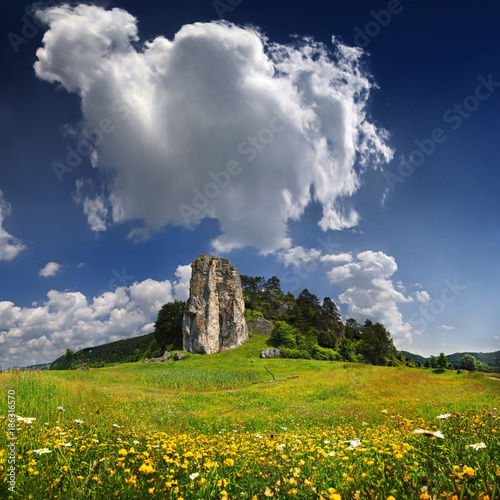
(478, 446)
(42, 451)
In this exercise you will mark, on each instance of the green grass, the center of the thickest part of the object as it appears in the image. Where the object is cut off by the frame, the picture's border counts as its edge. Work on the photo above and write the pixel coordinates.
(212, 402)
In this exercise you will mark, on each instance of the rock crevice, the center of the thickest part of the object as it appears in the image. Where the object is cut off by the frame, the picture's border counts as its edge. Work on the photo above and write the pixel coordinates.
(214, 319)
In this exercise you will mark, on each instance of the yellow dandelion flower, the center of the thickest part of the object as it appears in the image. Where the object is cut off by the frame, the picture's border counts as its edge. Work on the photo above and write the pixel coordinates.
(469, 471)
(268, 492)
(229, 462)
(146, 468)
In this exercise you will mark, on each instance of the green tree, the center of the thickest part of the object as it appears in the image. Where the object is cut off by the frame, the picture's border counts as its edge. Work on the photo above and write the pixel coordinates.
(284, 335)
(376, 345)
(69, 356)
(352, 329)
(347, 350)
(168, 326)
(442, 361)
(482, 367)
(468, 362)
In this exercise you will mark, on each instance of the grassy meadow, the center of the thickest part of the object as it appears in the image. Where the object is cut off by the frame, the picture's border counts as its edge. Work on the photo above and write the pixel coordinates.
(200, 428)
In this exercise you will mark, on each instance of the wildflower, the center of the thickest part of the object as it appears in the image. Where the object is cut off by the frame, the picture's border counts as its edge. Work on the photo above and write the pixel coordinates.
(65, 444)
(469, 471)
(26, 420)
(146, 468)
(354, 443)
(429, 433)
(384, 411)
(78, 421)
(194, 476)
(229, 462)
(445, 415)
(116, 425)
(477, 446)
(268, 492)
(42, 451)
(60, 408)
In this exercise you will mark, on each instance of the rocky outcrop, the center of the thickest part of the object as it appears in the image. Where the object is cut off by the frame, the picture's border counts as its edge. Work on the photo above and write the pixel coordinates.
(260, 326)
(165, 357)
(270, 353)
(214, 319)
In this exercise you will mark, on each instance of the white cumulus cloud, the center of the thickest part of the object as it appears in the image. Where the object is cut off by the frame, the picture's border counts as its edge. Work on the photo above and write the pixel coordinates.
(40, 334)
(423, 296)
(370, 292)
(10, 246)
(50, 269)
(297, 256)
(218, 122)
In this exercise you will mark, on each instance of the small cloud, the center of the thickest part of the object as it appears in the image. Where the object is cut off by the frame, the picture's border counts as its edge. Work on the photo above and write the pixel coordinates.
(80, 264)
(446, 327)
(497, 337)
(50, 269)
(340, 257)
(297, 256)
(418, 285)
(423, 296)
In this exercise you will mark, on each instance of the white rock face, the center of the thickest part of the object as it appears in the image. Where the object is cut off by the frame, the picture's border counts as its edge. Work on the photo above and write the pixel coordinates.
(214, 319)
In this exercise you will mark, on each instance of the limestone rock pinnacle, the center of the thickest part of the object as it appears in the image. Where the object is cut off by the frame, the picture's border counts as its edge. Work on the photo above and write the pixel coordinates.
(214, 319)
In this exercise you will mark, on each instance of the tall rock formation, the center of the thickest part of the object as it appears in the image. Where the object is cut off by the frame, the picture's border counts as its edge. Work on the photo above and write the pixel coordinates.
(214, 319)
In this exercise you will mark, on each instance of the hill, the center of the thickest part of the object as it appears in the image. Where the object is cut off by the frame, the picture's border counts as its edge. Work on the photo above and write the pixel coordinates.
(120, 351)
(490, 358)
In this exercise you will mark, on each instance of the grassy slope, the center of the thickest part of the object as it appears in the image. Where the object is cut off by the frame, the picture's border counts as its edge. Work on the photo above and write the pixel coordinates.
(141, 423)
(206, 393)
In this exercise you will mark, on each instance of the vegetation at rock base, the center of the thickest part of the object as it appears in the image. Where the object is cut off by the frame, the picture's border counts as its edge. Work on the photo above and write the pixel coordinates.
(312, 326)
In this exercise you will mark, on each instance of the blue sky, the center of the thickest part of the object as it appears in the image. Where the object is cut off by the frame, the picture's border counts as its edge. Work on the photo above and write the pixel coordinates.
(350, 149)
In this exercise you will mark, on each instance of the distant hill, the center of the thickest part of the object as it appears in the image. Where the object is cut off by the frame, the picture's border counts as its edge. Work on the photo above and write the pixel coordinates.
(120, 351)
(414, 357)
(492, 359)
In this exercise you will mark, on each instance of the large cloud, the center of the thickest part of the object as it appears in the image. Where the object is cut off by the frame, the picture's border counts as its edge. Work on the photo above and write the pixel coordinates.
(370, 293)
(10, 247)
(218, 122)
(69, 319)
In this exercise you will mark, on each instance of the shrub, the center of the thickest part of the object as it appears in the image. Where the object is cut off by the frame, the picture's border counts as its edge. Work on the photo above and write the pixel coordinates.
(325, 354)
(294, 353)
(284, 335)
